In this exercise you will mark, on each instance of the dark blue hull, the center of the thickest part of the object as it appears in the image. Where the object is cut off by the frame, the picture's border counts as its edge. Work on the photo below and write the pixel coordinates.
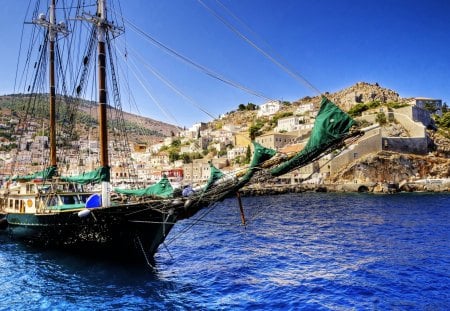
(132, 232)
(3, 222)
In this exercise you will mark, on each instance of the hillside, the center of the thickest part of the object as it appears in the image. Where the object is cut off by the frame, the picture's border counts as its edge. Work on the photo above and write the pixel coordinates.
(360, 92)
(140, 129)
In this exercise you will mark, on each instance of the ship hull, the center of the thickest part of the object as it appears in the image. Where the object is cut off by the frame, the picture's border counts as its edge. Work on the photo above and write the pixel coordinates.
(125, 232)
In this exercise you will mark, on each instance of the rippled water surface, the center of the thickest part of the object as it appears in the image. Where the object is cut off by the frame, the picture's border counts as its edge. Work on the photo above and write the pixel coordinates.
(308, 251)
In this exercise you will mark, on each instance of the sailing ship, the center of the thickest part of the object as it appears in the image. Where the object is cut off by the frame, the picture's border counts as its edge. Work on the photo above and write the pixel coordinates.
(49, 209)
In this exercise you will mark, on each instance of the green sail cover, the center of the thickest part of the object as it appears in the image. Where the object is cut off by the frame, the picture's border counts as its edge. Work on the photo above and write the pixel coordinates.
(161, 189)
(47, 173)
(330, 127)
(97, 176)
(260, 155)
(215, 175)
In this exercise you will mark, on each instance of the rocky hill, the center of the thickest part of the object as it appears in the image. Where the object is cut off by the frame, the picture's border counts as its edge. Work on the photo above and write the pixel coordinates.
(393, 167)
(361, 92)
(139, 128)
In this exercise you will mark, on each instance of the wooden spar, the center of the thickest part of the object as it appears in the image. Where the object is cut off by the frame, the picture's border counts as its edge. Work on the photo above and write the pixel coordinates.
(103, 133)
(241, 208)
(52, 134)
(102, 97)
(103, 130)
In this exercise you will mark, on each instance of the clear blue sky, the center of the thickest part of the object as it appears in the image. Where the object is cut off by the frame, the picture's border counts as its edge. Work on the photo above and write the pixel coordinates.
(402, 45)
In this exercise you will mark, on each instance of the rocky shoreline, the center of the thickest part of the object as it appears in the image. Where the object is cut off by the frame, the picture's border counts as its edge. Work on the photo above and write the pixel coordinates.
(271, 189)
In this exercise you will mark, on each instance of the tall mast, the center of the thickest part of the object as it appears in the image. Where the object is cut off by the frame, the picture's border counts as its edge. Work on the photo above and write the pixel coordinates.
(103, 133)
(103, 130)
(53, 30)
(52, 37)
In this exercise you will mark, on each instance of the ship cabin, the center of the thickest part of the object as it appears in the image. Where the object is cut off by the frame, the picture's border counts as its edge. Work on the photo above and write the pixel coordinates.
(36, 197)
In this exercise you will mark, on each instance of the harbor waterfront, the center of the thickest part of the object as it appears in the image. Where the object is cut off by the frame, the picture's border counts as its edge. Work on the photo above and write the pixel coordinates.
(374, 187)
(312, 251)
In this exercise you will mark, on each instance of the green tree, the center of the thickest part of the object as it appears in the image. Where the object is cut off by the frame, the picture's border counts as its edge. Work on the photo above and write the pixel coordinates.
(176, 143)
(253, 131)
(251, 107)
(280, 115)
(173, 156)
(396, 105)
(222, 153)
(381, 118)
(357, 110)
(186, 158)
(431, 107)
(445, 108)
(373, 104)
(248, 155)
(444, 121)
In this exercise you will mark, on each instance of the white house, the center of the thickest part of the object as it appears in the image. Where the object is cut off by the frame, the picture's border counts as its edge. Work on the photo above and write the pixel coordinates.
(236, 152)
(269, 108)
(289, 124)
(304, 108)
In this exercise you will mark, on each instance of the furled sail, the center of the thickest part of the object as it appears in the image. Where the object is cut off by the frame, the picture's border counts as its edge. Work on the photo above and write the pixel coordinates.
(215, 175)
(332, 125)
(96, 176)
(161, 189)
(47, 173)
(260, 155)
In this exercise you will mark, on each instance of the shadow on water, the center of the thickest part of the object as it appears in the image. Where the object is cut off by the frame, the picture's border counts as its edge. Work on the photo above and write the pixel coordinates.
(79, 259)
(69, 280)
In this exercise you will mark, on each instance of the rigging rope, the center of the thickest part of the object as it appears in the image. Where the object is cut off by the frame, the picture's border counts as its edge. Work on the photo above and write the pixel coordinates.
(202, 68)
(296, 76)
(141, 80)
(170, 84)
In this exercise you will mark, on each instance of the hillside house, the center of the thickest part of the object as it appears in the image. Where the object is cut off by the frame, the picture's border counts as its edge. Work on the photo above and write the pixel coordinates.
(203, 142)
(222, 136)
(275, 140)
(305, 109)
(199, 170)
(294, 123)
(241, 139)
(156, 147)
(428, 104)
(231, 128)
(218, 146)
(198, 127)
(188, 134)
(159, 159)
(236, 152)
(269, 108)
(139, 147)
(192, 147)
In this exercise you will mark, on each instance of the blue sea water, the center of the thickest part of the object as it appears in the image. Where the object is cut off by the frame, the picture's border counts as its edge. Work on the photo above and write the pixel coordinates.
(310, 251)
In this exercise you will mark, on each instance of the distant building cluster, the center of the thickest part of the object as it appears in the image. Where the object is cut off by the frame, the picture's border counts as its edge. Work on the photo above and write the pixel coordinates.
(229, 145)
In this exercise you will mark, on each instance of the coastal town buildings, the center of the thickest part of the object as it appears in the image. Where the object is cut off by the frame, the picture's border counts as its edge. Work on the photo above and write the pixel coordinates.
(229, 144)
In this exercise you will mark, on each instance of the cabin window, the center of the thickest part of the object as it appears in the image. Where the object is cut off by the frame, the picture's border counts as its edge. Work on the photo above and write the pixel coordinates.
(69, 199)
(52, 201)
(84, 197)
